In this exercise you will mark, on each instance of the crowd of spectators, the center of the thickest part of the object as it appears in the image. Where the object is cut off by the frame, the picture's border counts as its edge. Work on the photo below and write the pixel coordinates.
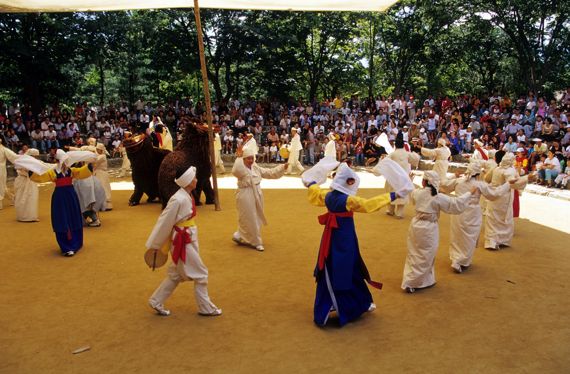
(499, 122)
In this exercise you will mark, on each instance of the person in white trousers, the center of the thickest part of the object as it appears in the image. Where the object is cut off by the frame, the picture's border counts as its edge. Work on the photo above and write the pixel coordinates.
(294, 149)
(176, 228)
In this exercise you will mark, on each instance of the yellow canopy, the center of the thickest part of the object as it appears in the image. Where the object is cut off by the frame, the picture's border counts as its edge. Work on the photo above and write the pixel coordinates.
(15, 6)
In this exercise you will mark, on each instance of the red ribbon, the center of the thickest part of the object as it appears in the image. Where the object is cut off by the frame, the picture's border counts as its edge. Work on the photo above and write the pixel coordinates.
(516, 204)
(329, 221)
(181, 238)
(485, 157)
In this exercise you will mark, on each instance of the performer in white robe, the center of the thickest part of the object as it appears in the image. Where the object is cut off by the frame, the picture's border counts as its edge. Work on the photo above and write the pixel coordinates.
(26, 193)
(441, 155)
(100, 172)
(295, 148)
(250, 144)
(466, 227)
(176, 227)
(330, 147)
(249, 198)
(479, 153)
(126, 165)
(405, 159)
(218, 153)
(423, 234)
(6, 154)
(500, 224)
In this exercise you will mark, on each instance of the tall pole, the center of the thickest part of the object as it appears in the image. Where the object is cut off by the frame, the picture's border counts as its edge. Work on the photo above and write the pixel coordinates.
(207, 100)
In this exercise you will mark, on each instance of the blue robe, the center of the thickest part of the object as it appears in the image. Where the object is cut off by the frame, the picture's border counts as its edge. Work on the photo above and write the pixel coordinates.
(66, 219)
(341, 284)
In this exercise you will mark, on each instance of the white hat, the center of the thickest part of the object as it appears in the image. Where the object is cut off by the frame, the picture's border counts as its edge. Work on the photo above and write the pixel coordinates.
(536, 140)
(473, 116)
(61, 156)
(248, 152)
(473, 168)
(486, 112)
(343, 174)
(520, 149)
(508, 160)
(433, 178)
(478, 142)
(422, 130)
(186, 178)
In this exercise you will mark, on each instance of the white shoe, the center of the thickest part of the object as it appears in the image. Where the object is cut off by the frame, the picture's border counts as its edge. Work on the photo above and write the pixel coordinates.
(215, 313)
(236, 238)
(69, 253)
(260, 248)
(410, 290)
(160, 310)
(372, 307)
(456, 268)
(388, 213)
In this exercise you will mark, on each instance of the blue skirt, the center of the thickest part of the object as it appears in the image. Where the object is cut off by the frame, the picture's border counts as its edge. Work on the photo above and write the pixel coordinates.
(66, 219)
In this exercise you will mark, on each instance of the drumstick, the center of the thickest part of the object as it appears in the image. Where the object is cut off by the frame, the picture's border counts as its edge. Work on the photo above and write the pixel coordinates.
(154, 260)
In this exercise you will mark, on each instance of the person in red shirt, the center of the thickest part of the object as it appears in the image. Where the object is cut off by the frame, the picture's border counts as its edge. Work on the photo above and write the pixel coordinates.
(521, 162)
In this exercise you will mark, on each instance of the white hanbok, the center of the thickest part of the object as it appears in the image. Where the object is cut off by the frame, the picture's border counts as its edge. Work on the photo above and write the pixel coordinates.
(6, 154)
(423, 235)
(500, 224)
(126, 165)
(90, 193)
(330, 149)
(218, 154)
(466, 227)
(26, 196)
(100, 172)
(249, 199)
(441, 156)
(294, 150)
(405, 159)
(177, 214)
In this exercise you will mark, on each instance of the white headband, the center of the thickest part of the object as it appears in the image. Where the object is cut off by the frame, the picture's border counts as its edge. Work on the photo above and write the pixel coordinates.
(186, 178)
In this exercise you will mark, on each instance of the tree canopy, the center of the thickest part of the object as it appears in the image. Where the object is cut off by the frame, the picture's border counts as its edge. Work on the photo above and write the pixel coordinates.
(441, 47)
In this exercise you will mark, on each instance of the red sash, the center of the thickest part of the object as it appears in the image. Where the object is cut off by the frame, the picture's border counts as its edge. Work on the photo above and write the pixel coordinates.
(516, 204)
(181, 238)
(62, 182)
(329, 221)
(485, 157)
(159, 137)
(407, 147)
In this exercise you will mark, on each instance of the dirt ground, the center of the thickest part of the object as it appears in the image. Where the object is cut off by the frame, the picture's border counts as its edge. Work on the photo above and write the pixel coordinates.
(508, 314)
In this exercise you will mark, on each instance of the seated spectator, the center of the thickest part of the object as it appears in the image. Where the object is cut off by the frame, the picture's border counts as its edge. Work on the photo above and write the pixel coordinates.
(549, 170)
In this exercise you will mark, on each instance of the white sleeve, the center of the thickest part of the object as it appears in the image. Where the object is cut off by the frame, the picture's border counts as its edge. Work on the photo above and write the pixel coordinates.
(453, 205)
(163, 227)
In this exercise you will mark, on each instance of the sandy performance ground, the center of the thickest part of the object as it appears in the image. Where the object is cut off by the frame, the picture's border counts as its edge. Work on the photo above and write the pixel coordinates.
(508, 313)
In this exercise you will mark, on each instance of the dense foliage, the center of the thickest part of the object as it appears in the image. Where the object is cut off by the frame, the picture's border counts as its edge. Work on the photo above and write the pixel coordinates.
(440, 47)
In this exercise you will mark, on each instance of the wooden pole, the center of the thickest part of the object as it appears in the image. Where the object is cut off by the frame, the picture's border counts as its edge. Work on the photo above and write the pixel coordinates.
(207, 101)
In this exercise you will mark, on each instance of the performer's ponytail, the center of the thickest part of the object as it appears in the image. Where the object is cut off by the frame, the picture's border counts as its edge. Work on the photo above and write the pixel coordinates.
(433, 190)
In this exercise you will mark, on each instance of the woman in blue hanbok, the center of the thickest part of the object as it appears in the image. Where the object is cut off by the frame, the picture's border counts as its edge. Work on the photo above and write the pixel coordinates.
(340, 272)
(66, 218)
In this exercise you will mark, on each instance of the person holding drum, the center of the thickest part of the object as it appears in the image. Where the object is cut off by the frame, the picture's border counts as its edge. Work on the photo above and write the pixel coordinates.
(176, 229)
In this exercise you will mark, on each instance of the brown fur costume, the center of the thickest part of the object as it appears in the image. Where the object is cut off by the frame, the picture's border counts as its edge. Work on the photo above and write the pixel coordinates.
(192, 150)
(145, 162)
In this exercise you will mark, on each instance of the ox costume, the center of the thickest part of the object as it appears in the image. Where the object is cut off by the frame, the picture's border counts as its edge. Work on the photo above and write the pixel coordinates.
(176, 229)
(249, 199)
(423, 234)
(341, 272)
(66, 217)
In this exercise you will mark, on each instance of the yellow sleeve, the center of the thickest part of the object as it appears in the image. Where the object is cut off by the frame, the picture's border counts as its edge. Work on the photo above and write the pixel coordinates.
(362, 205)
(81, 173)
(316, 195)
(49, 176)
